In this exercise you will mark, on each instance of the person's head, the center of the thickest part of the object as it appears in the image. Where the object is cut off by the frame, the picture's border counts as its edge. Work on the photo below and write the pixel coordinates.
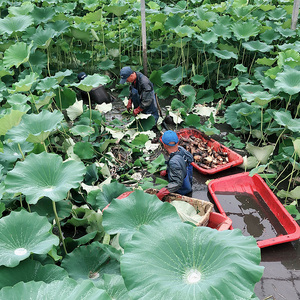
(127, 74)
(170, 141)
(81, 76)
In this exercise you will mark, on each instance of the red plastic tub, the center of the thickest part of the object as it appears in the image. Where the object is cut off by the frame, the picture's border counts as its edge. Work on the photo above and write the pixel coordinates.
(254, 209)
(234, 158)
(219, 221)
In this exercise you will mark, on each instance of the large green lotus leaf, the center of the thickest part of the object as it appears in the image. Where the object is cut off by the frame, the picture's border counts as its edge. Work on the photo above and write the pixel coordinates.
(82, 130)
(115, 287)
(288, 81)
(47, 84)
(29, 270)
(184, 31)
(24, 9)
(18, 99)
(44, 175)
(66, 289)
(198, 79)
(100, 199)
(24, 85)
(117, 10)
(224, 54)
(59, 76)
(42, 38)
(16, 54)
(285, 119)
(180, 261)
(42, 14)
(244, 30)
(35, 128)
(10, 120)
(289, 57)
(11, 25)
(43, 100)
(262, 154)
(13, 151)
(84, 150)
(23, 233)
(257, 46)
(92, 81)
(208, 37)
(173, 21)
(91, 261)
(106, 65)
(65, 97)
(126, 216)
(174, 76)
(277, 14)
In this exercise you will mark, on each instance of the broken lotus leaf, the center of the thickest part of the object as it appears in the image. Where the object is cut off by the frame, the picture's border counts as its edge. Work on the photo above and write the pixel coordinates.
(23, 233)
(186, 262)
(35, 128)
(67, 289)
(75, 110)
(44, 175)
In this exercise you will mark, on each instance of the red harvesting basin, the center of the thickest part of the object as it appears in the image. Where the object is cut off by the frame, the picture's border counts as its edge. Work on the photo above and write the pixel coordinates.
(250, 200)
(219, 221)
(234, 158)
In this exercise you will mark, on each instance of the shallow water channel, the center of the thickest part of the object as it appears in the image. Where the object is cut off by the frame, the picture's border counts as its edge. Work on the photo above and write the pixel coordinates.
(281, 278)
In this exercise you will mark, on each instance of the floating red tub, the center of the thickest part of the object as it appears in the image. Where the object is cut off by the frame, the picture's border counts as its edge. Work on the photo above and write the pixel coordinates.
(253, 208)
(234, 158)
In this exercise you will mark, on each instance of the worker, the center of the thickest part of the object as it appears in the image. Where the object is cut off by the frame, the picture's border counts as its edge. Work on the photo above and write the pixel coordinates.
(98, 95)
(179, 168)
(142, 94)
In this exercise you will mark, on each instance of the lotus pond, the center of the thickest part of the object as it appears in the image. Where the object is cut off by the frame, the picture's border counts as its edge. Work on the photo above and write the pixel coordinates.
(63, 160)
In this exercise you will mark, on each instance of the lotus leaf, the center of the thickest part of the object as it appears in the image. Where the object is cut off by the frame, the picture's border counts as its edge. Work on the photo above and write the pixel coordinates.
(127, 215)
(296, 144)
(24, 85)
(224, 54)
(35, 128)
(42, 38)
(198, 79)
(114, 285)
(261, 153)
(14, 24)
(42, 14)
(208, 37)
(29, 270)
(285, 119)
(173, 22)
(67, 97)
(257, 46)
(16, 54)
(75, 110)
(277, 14)
(23, 233)
(67, 289)
(244, 30)
(44, 175)
(288, 81)
(174, 76)
(289, 57)
(47, 84)
(82, 130)
(100, 199)
(84, 150)
(24, 9)
(13, 151)
(60, 26)
(92, 261)
(92, 81)
(186, 90)
(180, 261)
(17, 99)
(292, 209)
(9, 120)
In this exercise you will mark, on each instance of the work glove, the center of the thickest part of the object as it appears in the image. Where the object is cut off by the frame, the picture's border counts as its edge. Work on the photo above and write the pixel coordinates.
(137, 110)
(163, 173)
(162, 193)
(129, 105)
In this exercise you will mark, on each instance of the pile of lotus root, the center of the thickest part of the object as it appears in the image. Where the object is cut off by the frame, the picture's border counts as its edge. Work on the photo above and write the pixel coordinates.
(204, 156)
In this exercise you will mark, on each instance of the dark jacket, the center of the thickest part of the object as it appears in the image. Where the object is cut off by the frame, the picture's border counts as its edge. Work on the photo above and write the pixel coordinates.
(180, 171)
(142, 94)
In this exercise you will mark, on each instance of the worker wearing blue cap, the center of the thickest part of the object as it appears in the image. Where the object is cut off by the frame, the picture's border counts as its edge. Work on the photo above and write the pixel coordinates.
(179, 168)
(142, 94)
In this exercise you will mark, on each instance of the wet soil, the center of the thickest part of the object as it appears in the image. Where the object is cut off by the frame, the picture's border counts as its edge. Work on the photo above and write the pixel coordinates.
(281, 278)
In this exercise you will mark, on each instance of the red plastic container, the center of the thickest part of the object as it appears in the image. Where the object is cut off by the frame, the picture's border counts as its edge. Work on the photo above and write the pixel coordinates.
(272, 210)
(234, 158)
(219, 221)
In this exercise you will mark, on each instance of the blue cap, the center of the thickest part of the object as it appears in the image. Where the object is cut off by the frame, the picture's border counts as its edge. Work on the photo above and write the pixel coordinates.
(170, 138)
(81, 76)
(125, 73)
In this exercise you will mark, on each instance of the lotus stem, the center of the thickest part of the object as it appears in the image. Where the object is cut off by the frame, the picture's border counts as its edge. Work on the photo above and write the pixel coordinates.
(297, 111)
(48, 62)
(58, 225)
(252, 63)
(28, 207)
(90, 106)
(21, 203)
(288, 103)
(21, 151)
(290, 180)
(279, 137)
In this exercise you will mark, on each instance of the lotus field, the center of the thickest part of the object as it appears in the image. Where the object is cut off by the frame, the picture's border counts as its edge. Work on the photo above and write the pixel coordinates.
(62, 161)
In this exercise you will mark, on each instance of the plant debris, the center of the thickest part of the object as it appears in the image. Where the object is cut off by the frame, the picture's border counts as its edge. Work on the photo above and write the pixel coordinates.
(204, 156)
